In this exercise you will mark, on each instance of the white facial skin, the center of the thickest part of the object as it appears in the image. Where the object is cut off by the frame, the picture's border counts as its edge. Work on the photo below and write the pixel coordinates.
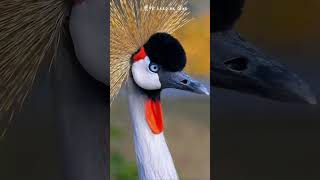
(88, 22)
(145, 74)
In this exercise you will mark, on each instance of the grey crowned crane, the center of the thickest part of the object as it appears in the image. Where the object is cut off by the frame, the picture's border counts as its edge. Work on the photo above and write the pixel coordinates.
(70, 72)
(33, 36)
(147, 58)
(237, 64)
(77, 101)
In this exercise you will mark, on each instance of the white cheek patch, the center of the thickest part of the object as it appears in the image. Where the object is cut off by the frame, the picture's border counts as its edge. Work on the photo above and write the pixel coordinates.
(143, 77)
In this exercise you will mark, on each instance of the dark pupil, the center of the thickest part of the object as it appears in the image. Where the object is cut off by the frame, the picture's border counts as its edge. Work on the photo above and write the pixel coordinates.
(153, 67)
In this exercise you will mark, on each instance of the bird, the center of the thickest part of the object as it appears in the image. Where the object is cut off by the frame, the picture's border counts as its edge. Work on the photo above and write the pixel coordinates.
(50, 51)
(146, 58)
(239, 65)
(74, 82)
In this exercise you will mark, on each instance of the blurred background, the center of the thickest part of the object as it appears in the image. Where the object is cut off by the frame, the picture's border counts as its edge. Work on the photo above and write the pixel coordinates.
(187, 116)
(255, 138)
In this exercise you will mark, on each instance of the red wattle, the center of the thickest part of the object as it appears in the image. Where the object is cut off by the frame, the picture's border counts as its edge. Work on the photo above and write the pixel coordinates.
(154, 115)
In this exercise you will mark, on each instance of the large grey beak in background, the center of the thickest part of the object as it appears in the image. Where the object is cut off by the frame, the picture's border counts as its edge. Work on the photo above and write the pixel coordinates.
(182, 81)
(238, 65)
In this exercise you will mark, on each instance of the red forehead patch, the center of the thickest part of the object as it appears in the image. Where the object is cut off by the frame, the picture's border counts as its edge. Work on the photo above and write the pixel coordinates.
(140, 55)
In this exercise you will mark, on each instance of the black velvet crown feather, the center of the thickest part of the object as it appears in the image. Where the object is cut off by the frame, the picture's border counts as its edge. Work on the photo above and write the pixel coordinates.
(165, 50)
(225, 13)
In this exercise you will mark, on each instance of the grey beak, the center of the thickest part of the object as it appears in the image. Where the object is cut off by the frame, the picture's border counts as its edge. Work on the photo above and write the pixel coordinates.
(240, 66)
(182, 81)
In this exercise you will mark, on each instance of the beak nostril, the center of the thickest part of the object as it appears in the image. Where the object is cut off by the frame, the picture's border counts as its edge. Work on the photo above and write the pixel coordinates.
(237, 64)
(185, 81)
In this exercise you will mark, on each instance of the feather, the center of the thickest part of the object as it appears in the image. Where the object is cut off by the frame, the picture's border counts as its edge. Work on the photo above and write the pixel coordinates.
(30, 33)
(225, 14)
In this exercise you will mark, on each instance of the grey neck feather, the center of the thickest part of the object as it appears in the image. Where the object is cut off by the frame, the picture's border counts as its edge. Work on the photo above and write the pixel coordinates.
(80, 109)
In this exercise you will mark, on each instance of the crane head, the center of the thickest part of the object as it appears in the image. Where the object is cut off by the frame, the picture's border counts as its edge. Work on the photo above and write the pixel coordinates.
(239, 65)
(159, 64)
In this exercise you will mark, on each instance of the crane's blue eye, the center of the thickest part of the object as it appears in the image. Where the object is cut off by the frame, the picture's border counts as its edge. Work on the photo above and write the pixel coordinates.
(154, 67)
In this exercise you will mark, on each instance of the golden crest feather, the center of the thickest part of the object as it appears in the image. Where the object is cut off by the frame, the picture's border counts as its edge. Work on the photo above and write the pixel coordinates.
(30, 33)
(132, 22)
